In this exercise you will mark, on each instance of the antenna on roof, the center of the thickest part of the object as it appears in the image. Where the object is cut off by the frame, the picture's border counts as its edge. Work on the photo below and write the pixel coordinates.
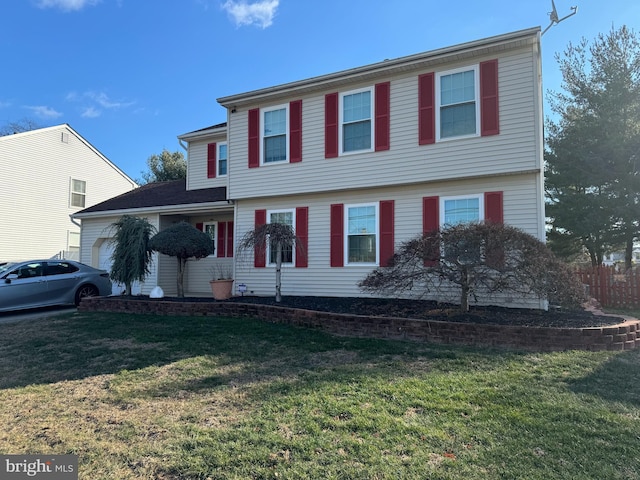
(553, 16)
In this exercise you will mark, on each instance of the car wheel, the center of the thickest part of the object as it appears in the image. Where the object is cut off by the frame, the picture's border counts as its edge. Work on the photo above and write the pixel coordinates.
(84, 292)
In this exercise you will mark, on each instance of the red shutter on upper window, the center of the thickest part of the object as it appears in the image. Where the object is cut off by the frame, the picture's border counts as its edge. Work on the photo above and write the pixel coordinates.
(386, 231)
(229, 239)
(295, 131)
(211, 160)
(493, 210)
(331, 125)
(260, 252)
(200, 226)
(431, 222)
(222, 237)
(383, 113)
(254, 138)
(337, 235)
(426, 109)
(489, 108)
(302, 234)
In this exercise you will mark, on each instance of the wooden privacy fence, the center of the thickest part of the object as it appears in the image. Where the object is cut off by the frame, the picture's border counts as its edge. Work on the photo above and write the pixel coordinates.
(610, 287)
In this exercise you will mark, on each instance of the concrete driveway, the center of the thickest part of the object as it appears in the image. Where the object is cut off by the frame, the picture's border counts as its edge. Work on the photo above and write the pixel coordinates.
(12, 317)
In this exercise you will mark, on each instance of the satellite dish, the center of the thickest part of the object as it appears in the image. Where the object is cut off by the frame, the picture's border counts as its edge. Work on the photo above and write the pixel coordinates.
(553, 16)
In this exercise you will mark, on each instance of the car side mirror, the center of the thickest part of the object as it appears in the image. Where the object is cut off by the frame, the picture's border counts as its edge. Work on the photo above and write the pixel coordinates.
(11, 276)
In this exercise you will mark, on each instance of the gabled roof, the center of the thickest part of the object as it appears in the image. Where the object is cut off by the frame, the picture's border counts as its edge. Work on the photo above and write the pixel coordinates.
(217, 129)
(153, 196)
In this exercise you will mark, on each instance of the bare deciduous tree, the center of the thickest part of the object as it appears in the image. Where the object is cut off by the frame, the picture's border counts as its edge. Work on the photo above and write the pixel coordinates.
(479, 259)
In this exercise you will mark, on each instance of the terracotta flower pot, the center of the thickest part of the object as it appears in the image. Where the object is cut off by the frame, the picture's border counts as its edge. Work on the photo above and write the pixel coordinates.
(221, 289)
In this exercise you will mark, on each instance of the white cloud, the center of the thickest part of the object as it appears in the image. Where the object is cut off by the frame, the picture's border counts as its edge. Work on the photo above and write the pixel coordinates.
(260, 13)
(44, 112)
(4, 104)
(67, 5)
(91, 112)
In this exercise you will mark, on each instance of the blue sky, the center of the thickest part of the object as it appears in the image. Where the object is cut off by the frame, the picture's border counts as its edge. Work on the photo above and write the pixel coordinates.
(132, 75)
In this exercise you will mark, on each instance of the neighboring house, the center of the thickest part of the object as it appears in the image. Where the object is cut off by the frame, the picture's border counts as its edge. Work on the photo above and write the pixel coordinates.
(360, 160)
(49, 174)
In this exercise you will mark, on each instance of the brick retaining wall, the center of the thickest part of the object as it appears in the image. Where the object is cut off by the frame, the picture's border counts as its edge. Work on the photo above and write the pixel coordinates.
(624, 336)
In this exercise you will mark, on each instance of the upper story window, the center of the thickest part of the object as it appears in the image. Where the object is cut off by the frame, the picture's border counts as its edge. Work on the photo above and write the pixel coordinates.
(274, 134)
(356, 120)
(78, 193)
(222, 159)
(458, 112)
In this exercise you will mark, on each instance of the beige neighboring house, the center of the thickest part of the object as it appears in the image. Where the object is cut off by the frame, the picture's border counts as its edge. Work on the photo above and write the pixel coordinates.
(48, 175)
(357, 162)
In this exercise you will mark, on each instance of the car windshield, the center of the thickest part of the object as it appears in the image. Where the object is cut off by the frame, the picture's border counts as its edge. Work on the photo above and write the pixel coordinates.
(5, 266)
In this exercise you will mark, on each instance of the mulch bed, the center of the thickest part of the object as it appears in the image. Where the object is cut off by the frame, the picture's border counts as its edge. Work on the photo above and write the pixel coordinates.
(430, 310)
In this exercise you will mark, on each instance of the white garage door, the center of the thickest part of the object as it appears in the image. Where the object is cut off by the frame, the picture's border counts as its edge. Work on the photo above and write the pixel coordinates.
(104, 259)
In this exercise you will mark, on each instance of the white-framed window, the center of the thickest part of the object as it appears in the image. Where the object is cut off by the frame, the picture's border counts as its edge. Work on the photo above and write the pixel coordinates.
(457, 100)
(461, 209)
(362, 223)
(78, 192)
(356, 121)
(222, 157)
(274, 134)
(286, 217)
(73, 245)
(211, 229)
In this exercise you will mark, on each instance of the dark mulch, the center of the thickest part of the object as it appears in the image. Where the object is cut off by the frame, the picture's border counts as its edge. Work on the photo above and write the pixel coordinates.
(429, 310)
(424, 309)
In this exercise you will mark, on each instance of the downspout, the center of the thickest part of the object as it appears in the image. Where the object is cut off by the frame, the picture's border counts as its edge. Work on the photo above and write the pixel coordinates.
(183, 145)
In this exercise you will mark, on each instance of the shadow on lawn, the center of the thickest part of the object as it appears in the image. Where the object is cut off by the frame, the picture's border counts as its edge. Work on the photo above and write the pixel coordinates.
(615, 380)
(81, 345)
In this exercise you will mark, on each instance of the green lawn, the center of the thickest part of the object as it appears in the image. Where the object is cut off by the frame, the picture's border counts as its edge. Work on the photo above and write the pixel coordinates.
(219, 398)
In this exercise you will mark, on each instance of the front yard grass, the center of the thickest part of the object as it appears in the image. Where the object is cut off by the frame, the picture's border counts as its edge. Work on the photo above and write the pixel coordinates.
(146, 397)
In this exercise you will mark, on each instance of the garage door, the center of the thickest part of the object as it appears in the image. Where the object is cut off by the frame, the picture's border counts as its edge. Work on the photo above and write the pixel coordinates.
(104, 259)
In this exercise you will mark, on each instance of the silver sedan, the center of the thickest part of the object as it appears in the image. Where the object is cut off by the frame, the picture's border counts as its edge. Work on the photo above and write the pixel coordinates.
(44, 283)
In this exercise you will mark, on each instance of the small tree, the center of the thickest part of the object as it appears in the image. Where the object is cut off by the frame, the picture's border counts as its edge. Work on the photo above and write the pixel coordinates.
(131, 256)
(164, 167)
(476, 258)
(183, 241)
(281, 238)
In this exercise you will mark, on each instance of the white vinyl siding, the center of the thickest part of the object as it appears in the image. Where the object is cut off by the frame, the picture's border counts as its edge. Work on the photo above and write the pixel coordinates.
(39, 166)
(197, 164)
(516, 149)
(521, 198)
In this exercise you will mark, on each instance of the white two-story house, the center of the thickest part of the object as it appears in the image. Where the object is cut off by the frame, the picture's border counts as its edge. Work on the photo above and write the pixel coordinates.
(49, 174)
(360, 160)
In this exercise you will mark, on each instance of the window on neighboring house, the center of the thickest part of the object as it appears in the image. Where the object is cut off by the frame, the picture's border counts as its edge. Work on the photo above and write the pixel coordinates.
(286, 217)
(362, 233)
(222, 159)
(210, 228)
(73, 246)
(457, 109)
(356, 120)
(274, 134)
(78, 193)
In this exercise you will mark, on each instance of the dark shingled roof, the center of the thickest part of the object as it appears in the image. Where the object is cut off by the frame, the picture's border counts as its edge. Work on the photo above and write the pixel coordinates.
(160, 194)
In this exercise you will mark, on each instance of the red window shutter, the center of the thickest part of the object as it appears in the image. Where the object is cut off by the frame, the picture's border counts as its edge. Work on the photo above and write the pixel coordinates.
(222, 236)
(260, 252)
(383, 113)
(386, 232)
(295, 131)
(489, 108)
(302, 234)
(211, 160)
(426, 109)
(229, 239)
(337, 235)
(254, 138)
(493, 209)
(200, 226)
(430, 221)
(331, 125)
